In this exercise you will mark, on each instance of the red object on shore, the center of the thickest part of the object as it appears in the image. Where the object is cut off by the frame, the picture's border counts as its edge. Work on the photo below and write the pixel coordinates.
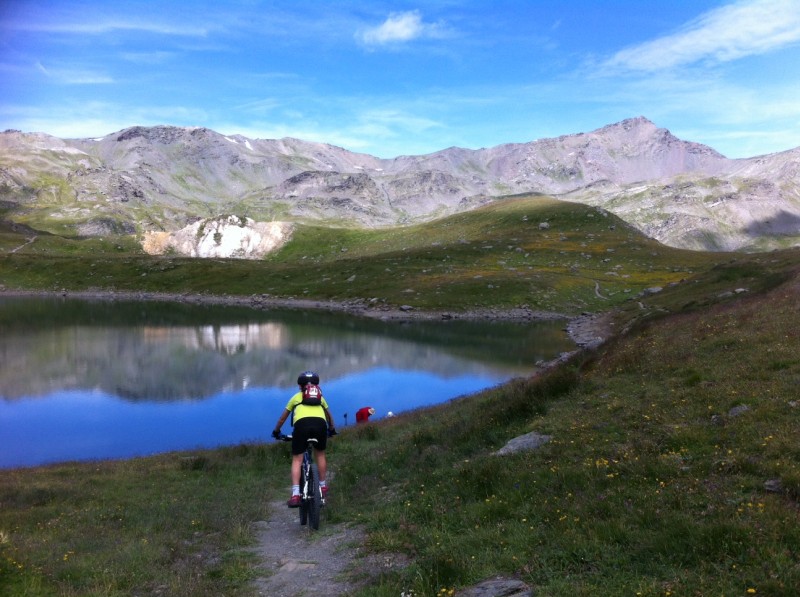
(363, 414)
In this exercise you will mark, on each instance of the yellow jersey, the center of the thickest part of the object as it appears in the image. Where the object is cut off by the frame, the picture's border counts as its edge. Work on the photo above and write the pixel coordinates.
(301, 411)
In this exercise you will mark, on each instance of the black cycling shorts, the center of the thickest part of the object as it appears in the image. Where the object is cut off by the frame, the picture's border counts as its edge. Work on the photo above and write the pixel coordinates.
(307, 427)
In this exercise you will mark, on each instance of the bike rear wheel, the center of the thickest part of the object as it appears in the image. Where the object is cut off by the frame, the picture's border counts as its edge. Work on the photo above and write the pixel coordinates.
(315, 498)
(303, 502)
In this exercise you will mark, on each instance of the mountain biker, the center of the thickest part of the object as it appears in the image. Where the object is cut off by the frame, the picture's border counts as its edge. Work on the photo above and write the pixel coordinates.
(308, 422)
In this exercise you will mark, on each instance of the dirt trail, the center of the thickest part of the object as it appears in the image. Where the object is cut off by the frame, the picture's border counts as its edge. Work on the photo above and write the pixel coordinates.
(25, 244)
(297, 561)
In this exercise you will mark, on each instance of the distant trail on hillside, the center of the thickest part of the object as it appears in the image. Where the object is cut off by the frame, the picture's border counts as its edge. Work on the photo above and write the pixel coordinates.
(25, 244)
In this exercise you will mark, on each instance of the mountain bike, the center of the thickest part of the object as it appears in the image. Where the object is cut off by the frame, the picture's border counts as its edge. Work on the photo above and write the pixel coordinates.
(311, 499)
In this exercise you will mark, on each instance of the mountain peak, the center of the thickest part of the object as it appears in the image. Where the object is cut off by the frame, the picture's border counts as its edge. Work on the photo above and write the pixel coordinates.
(639, 124)
(161, 133)
(628, 124)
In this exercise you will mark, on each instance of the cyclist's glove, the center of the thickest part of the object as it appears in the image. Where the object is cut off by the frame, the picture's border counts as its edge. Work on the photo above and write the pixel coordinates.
(331, 432)
(276, 433)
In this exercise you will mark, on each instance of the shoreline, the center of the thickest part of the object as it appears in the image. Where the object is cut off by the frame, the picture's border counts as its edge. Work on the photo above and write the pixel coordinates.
(586, 330)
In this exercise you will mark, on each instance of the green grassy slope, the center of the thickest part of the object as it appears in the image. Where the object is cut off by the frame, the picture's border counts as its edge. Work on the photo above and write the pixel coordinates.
(545, 254)
(673, 469)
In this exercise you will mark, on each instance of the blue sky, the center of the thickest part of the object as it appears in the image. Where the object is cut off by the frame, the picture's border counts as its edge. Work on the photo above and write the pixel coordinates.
(399, 78)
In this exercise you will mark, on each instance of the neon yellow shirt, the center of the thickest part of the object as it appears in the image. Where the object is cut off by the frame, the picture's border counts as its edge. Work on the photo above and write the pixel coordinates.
(302, 411)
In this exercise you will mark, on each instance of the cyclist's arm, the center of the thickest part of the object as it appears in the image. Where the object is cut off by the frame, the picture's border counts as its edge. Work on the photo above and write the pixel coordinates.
(329, 418)
(281, 421)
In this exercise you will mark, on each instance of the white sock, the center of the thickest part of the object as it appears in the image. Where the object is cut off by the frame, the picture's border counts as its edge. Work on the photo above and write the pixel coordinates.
(322, 484)
(295, 490)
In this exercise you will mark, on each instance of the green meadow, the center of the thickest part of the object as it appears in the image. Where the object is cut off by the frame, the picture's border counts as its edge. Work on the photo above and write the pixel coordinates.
(673, 466)
(537, 252)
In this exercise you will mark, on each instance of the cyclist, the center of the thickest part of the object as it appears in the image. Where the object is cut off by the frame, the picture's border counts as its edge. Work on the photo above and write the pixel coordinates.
(308, 422)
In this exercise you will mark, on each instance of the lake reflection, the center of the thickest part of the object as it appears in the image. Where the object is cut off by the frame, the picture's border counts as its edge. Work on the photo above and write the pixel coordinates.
(109, 379)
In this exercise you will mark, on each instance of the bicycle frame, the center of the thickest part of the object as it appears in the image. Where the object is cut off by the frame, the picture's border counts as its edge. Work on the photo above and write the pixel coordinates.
(311, 499)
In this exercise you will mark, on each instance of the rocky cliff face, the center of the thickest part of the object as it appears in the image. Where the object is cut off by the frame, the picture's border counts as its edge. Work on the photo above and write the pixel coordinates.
(223, 236)
(151, 179)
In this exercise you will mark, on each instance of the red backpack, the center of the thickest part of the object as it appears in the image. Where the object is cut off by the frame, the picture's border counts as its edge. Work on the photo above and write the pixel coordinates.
(312, 395)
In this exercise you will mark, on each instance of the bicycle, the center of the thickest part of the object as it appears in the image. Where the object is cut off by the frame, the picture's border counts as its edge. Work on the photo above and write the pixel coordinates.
(311, 498)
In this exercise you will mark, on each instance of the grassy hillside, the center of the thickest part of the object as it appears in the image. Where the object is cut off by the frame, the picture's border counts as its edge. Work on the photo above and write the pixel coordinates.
(673, 470)
(673, 467)
(549, 255)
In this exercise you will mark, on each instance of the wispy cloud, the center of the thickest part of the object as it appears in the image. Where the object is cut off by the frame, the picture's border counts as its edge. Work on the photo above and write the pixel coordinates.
(67, 24)
(734, 31)
(157, 57)
(74, 77)
(82, 21)
(400, 27)
(389, 122)
(260, 106)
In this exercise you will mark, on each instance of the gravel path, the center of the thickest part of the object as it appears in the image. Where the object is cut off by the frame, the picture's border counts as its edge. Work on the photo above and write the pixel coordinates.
(297, 561)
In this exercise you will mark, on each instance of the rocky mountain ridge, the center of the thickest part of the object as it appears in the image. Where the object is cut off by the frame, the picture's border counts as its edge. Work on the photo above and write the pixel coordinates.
(164, 178)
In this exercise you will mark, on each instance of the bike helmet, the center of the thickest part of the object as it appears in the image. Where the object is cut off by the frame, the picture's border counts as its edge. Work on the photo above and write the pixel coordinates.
(307, 377)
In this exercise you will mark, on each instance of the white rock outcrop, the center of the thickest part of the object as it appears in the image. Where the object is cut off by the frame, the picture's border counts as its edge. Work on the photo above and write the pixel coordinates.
(223, 236)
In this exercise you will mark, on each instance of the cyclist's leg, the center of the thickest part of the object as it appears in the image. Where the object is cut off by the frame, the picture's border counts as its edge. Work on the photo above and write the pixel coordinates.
(297, 461)
(322, 464)
(300, 435)
(320, 432)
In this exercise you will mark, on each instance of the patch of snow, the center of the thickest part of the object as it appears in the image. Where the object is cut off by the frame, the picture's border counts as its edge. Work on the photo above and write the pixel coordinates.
(248, 146)
(72, 150)
(234, 141)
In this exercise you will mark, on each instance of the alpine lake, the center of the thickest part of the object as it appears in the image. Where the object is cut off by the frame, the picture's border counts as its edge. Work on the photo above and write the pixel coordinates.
(107, 379)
